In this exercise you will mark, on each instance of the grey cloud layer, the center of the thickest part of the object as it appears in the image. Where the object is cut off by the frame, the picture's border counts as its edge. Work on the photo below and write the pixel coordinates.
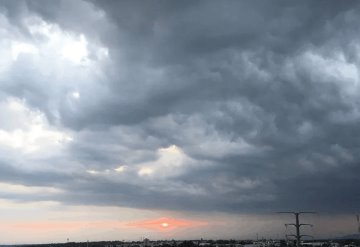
(262, 97)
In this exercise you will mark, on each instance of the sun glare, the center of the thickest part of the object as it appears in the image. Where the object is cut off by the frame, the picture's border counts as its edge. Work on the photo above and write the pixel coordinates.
(164, 224)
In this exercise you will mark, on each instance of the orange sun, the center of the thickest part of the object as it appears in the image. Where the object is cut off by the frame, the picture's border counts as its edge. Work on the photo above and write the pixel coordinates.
(164, 224)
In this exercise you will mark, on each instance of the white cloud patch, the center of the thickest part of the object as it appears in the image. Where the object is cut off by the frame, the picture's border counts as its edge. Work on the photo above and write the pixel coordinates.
(27, 130)
(120, 169)
(66, 46)
(93, 172)
(145, 171)
(75, 95)
(76, 50)
(54, 61)
(18, 48)
(170, 162)
(19, 189)
(334, 68)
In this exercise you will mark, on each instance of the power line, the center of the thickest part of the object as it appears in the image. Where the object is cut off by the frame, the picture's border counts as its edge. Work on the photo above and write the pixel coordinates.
(297, 225)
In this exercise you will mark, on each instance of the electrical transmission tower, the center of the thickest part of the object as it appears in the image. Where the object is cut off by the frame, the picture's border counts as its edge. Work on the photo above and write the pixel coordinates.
(297, 226)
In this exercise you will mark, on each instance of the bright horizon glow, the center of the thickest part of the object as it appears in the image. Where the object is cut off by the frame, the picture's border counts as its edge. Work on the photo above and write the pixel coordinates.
(167, 224)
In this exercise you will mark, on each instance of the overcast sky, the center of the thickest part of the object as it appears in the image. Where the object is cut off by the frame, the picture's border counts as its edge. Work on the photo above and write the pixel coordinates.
(208, 116)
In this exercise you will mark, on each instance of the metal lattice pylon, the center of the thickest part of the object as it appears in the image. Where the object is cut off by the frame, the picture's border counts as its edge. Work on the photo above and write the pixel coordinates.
(297, 226)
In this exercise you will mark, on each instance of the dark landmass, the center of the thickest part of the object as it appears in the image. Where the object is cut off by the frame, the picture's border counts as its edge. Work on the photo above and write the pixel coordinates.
(344, 241)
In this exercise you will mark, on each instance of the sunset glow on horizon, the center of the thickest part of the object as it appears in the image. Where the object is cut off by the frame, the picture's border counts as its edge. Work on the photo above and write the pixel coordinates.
(166, 224)
(160, 225)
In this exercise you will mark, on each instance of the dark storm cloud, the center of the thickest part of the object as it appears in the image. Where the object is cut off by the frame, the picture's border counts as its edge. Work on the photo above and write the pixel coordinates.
(262, 96)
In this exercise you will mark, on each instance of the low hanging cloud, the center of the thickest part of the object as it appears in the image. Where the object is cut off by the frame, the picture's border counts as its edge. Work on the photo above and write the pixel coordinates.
(247, 106)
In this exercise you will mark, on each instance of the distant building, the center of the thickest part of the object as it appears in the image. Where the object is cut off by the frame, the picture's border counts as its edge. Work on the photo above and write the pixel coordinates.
(146, 242)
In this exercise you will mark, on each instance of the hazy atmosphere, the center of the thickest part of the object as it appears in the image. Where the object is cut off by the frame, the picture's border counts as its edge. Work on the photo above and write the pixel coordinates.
(177, 119)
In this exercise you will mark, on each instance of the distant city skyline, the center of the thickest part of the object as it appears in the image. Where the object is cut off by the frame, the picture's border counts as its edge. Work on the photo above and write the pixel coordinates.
(177, 119)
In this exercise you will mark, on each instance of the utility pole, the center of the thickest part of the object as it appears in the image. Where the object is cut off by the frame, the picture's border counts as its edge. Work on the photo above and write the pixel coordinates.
(358, 222)
(297, 226)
